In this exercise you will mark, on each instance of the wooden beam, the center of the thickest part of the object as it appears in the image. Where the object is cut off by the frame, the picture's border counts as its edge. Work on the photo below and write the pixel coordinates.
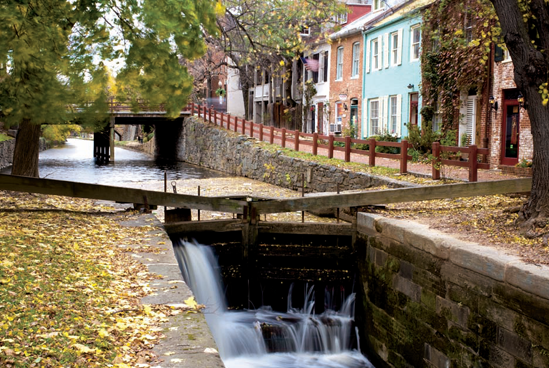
(315, 202)
(111, 193)
(305, 228)
(218, 226)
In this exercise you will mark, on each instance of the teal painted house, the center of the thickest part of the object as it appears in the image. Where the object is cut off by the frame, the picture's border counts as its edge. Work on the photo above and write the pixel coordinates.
(392, 70)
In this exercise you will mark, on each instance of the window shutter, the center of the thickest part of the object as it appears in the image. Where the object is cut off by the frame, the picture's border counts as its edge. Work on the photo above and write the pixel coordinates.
(384, 114)
(399, 116)
(326, 66)
(399, 47)
(368, 56)
(366, 119)
(386, 50)
(471, 119)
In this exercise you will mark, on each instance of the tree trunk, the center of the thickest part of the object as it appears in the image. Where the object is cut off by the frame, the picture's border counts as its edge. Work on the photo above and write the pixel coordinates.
(531, 67)
(27, 147)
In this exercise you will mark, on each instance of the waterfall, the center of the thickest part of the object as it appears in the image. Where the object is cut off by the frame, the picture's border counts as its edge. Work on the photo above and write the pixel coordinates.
(263, 338)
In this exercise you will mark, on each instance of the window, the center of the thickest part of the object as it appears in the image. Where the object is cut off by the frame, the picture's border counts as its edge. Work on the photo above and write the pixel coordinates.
(356, 59)
(343, 18)
(321, 67)
(437, 119)
(339, 70)
(375, 54)
(314, 75)
(393, 116)
(377, 4)
(336, 127)
(374, 118)
(415, 43)
(469, 24)
(305, 31)
(395, 49)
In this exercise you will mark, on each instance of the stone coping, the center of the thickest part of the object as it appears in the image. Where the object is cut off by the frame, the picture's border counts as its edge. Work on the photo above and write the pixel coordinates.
(188, 341)
(484, 260)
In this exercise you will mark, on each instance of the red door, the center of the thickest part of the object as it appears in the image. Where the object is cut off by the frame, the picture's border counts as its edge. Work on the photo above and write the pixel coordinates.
(510, 132)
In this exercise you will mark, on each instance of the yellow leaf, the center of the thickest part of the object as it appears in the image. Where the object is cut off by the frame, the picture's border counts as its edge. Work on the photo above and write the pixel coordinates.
(191, 302)
(103, 333)
(83, 349)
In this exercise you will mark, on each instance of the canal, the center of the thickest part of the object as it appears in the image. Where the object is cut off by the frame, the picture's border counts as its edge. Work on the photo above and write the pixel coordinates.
(74, 162)
(259, 338)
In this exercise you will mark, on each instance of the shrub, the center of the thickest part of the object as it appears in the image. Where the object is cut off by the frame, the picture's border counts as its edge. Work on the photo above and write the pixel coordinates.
(386, 137)
(524, 163)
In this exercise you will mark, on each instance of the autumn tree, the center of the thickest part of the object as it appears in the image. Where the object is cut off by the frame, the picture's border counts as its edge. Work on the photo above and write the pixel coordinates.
(258, 34)
(525, 28)
(51, 53)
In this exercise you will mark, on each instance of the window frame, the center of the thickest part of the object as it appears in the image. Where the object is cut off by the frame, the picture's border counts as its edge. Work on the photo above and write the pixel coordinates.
(339, 64)
(393, 114)
(394, 48)
(376, 62)
(355, 71)
(377, 5)
(413, 44)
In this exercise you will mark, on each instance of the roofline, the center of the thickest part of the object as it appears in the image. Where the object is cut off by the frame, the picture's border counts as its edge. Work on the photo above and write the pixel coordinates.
(370, 26)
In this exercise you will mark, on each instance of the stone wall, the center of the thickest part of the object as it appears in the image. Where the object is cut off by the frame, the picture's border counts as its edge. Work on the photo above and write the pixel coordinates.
(431, 300)
(7, 148)
(216, 148)
(6, 153)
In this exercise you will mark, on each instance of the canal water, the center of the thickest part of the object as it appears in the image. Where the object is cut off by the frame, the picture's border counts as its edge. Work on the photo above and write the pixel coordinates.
(74, 162)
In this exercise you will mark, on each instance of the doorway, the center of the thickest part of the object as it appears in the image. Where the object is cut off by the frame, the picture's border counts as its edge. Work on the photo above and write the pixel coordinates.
(510, 129)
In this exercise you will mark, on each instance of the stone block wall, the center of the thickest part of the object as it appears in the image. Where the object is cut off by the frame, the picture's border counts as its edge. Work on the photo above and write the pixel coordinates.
(431, 300)
(6, 153)
(216, 148)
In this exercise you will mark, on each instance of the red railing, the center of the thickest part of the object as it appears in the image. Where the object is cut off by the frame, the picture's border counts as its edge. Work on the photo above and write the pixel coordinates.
(327, 143)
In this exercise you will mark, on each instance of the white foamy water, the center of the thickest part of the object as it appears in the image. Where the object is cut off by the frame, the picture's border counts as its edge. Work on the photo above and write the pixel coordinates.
(264, 338)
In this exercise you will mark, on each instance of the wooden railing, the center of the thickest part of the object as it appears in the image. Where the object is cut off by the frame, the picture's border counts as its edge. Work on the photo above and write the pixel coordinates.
(297, 140)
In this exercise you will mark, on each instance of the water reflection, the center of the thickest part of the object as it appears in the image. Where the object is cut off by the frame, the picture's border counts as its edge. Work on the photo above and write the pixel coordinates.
(74, 162)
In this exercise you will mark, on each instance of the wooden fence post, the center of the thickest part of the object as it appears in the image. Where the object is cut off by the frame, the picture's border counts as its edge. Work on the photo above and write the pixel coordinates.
(315, 144)
(473, 163)
(283, 143)
(331, 146)
(252, 129)
(296, 140)
(436, 161)
(261, 132)
(272, 136)
(404, 156)
(243, 126)
(236, 123)
(192, 108)
(347, 149)
(215, 117)
(210, 115)
(228, 122)
(372, 151)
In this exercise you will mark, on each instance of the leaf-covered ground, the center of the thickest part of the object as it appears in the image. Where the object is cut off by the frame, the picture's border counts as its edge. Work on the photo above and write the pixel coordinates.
(69, 292)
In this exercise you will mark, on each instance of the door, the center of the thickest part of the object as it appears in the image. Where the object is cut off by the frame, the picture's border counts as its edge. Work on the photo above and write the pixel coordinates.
(321, 117)
(414, 112)
(354, 117)
(510, 133)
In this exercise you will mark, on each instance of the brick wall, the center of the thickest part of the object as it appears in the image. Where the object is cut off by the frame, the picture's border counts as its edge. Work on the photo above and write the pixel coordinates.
(434, 301)
(504, 79)
(351, 87)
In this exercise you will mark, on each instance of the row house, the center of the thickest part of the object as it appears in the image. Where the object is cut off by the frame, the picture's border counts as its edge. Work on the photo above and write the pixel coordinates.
(392, 71)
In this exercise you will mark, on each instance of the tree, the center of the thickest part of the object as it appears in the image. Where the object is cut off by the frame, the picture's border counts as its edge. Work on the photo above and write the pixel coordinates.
(50, 53)
(525, 28)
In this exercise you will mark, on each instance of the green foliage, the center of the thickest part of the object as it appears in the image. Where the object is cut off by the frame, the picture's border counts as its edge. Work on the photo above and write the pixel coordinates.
(49, 51)
(220, 92)
(422, 139)
(386, 137)
(57, 134)
(4, 137)
(524, 163)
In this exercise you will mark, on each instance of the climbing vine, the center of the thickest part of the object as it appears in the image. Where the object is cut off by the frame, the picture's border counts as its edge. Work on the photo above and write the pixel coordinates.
(457, 39)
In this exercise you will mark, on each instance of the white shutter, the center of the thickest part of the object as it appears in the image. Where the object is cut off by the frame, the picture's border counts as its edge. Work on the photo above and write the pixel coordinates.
(399, 115)
(399, 47)
(365, 128)
(367, 56)
(470, 118)
(384, 109)
(386, 50)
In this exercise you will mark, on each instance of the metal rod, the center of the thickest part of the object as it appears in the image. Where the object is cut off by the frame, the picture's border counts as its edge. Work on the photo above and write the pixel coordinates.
(337, 211)
(303, 195)
(199, 196)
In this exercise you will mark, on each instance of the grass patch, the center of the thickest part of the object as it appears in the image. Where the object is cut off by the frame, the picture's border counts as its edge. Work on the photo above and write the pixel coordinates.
(4, 137)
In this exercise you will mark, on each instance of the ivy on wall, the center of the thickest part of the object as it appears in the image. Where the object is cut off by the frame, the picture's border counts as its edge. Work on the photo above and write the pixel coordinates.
(457, 37)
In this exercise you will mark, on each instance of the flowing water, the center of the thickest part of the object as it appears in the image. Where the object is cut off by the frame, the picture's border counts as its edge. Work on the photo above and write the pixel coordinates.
(74, 162)
(264, 338)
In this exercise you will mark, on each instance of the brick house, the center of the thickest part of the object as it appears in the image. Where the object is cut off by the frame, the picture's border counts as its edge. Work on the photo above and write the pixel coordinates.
(510, 133)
